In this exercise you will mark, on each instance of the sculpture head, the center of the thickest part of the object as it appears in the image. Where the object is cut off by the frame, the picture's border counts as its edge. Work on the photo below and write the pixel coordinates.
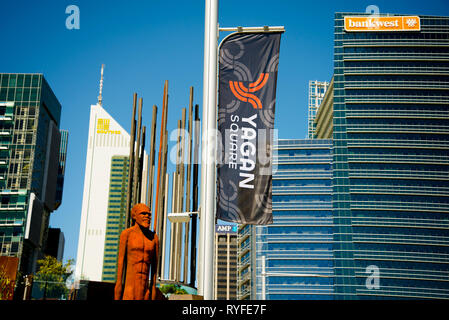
(141, 214)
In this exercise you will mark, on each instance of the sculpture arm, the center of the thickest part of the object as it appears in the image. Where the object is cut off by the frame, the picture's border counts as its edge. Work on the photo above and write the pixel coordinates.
(121, 265)
(154, 264)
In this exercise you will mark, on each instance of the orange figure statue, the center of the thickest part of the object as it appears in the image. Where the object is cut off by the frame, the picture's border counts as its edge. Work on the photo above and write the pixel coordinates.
(138, 253)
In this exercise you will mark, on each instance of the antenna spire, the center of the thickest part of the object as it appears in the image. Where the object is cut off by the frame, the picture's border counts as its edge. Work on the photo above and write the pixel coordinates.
(100, 98)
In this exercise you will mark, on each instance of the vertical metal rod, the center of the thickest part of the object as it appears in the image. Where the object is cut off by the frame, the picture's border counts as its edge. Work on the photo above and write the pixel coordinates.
(188, 183)
(162, 223)
(131, 164)
(177, 230)
(161, 205)
(163, 237)
(194, 199)
(172, 231)
(163, 172)
(208, 183)
(141, 185)
(136, 181)
(163, 129)
(181, 187)
(151, 159)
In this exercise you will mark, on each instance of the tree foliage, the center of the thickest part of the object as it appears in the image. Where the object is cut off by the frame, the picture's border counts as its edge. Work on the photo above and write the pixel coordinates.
(167, 289)
(52, 275)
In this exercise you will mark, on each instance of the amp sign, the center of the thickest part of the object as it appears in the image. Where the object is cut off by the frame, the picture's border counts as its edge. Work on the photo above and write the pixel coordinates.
(223, 228)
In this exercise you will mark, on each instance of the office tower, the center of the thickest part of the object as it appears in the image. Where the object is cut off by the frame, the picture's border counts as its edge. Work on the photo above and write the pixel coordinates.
(225, 262)
(390, 135)
(116, 215)
(292, 259)
(102, 206)
(317, 90)
(55, 243)
(61, 166)
(29, 156)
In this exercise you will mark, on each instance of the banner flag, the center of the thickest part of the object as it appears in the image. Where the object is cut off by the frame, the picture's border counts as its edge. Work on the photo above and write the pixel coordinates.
(247, 94)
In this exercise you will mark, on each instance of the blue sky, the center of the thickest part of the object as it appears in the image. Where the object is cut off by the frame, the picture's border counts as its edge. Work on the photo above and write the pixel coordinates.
(143, 43)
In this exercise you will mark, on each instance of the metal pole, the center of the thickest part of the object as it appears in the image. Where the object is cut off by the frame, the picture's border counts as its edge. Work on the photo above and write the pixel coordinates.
(151, 162)
(181, 187)
(194, 199)
(136, 181)
(163, 129)
(141, 186)
(164, 240)
(172, 227)
(254, 29)
(208, 183)
(131, 164)
(161, 203)
(188, 183)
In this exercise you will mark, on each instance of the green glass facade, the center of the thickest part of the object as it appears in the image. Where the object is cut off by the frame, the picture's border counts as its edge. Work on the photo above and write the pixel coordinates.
(292, 259)
(29, 147)
(391, 161)
(115, 223)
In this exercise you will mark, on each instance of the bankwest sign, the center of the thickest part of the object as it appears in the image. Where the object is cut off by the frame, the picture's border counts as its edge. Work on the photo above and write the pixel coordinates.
(398, 23)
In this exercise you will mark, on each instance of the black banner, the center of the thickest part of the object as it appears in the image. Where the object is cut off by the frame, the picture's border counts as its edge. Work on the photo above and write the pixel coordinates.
(247, 95)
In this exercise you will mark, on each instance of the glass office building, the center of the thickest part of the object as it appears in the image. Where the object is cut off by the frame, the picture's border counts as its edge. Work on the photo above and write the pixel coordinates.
(29, 159)
(317, 90)
(292, 259)
(390, 133)
(116, 216)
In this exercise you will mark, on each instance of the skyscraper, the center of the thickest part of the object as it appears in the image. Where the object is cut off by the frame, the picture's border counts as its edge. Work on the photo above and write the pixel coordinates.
(292, 259)
(390, 130)
(107, 140)
(29, 159)
(225, 262)
(317, 90)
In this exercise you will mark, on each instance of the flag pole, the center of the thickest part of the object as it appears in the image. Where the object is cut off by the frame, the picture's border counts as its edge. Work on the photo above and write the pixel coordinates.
(208, 184)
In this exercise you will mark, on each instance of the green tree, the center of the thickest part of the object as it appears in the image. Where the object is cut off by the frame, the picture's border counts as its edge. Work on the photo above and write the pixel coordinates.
(168, 289)
(52, 276)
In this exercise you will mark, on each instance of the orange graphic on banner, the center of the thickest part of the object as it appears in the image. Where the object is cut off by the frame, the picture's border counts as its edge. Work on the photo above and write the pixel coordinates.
(395, 23)
(243, 94)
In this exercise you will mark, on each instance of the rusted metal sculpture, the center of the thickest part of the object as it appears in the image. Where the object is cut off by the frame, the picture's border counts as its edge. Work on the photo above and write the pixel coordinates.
(138, 252)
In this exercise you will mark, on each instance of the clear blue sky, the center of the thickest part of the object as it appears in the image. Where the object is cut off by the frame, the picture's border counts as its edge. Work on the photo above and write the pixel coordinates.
(143, 43)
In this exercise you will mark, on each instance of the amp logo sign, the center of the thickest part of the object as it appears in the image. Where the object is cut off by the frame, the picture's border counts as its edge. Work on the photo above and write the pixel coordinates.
(224, 228)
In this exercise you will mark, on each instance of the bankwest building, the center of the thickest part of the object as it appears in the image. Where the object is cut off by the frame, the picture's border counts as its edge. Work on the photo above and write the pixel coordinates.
(386, 111)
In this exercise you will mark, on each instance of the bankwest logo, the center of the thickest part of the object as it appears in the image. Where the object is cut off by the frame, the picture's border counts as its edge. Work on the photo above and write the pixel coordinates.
(245, 94)
(103, 127)
(398, 23)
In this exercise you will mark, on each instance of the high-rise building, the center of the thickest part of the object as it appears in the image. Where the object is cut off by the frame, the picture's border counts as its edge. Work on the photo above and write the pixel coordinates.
(104, 197)
(225, 262)
(116, 215)
(29, 159)
(292, 259)
(388, 119)
(317, 90)
(61, 167)
(55, 243)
